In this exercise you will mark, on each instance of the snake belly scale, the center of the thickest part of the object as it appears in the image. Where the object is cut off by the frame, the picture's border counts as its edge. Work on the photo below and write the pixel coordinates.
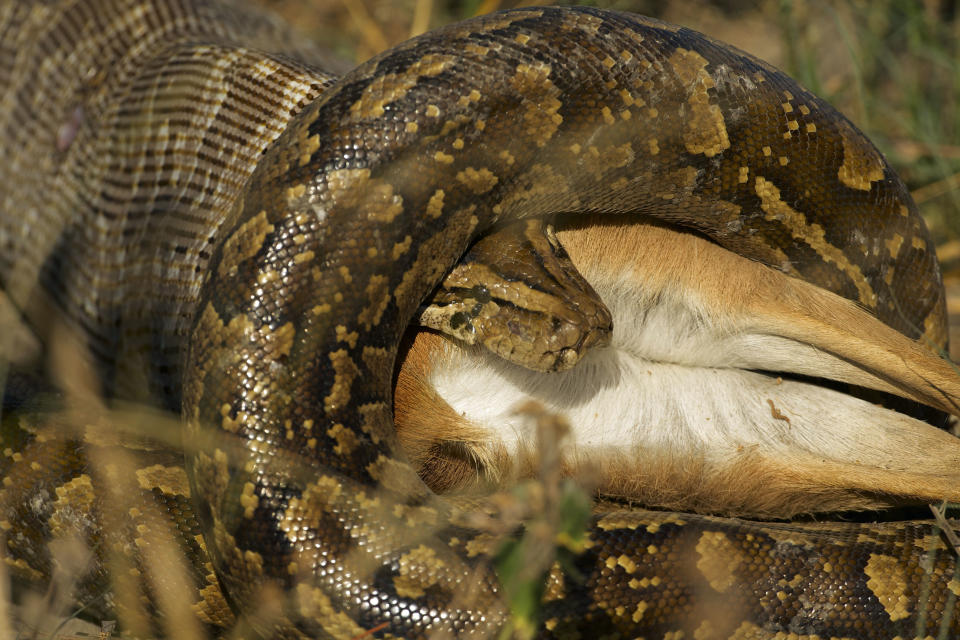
(242, 238)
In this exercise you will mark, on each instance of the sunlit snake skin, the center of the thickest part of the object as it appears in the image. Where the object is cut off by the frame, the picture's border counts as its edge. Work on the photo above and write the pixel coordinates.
(241, 244)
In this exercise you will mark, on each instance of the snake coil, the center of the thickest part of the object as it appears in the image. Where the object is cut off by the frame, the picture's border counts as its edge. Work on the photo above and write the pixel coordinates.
(240, 237)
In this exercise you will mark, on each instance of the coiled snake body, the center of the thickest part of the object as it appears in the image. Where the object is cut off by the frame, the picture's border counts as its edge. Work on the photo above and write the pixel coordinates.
(242, 239)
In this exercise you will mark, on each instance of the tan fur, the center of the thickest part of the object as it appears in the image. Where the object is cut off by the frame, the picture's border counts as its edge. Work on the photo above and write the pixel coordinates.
(913, 461)
(749, 295)
(428, 422)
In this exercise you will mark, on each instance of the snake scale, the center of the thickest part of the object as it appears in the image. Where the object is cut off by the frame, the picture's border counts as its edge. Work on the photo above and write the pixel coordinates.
(240, 238)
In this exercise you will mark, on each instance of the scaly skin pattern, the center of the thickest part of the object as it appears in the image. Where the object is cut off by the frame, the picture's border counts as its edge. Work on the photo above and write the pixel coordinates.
(240, 240)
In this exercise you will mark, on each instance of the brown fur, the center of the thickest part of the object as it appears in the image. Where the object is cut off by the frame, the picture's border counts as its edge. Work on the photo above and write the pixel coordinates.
(750, 294)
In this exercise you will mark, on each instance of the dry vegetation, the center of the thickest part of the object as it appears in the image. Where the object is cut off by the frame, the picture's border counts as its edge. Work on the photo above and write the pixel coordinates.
(890, 65)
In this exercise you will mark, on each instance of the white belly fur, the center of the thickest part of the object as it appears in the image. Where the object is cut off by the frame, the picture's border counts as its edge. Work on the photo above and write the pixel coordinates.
(675, 412)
